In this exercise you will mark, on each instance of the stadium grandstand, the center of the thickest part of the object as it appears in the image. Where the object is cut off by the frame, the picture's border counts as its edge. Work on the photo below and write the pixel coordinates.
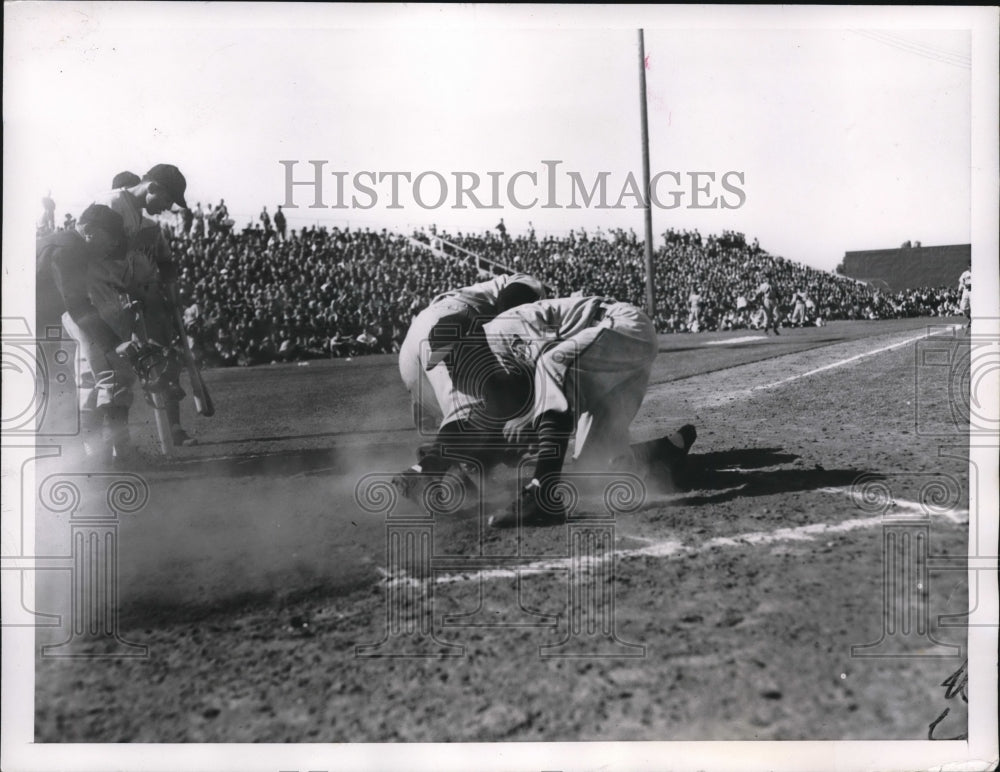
(258, 296)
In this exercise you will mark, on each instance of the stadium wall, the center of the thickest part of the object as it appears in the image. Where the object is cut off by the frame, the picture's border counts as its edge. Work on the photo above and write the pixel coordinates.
(908, 267)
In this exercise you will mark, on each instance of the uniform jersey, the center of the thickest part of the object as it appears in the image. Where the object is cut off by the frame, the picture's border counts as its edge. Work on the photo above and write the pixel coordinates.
(766, 292)
(63, 262)
(147, 266)
(65, 277)
(591, 356)
(965, 284)
(526, 332)
(144, 235)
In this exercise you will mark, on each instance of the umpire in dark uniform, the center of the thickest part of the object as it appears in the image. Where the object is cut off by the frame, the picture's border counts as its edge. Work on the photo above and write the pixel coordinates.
(64, 261)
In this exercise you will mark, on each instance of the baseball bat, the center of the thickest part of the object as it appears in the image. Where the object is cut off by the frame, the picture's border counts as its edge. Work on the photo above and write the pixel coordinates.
(202, 399)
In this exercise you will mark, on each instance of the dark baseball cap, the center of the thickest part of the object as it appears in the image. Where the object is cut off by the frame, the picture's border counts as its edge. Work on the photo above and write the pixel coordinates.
(525, 290)
(169, 177)
(125, 180)
(105, 218)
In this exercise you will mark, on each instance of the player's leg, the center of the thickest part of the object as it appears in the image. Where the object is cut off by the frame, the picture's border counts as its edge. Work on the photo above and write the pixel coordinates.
(413, 353)
(600, 376)
(95, 446)
(610, 379)
(770, 317)
(105, 399)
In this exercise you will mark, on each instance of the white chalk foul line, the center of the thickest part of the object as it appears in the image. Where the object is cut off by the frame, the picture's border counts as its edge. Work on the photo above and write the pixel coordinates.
(856, 357)
(742, 339)
(670, 548)
(957, 515)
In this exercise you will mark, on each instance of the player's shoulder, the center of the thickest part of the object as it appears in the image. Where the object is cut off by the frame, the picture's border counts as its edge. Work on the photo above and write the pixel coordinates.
(117, 197)
(64, 241)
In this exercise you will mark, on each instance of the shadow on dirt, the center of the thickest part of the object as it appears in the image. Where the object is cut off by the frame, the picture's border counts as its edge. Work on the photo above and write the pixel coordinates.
(744, 473)
(743, 458)
(299, 462)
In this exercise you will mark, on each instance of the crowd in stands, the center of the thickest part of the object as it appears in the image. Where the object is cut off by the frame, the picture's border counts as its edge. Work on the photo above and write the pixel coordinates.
(266, 294)
(723, 271)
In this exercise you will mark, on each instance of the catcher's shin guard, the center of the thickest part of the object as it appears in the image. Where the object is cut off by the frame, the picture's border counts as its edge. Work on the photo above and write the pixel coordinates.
(97, 448)
(119, 438)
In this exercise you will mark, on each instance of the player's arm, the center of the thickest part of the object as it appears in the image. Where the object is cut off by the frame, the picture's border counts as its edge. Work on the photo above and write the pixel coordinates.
(151, 240)
(164, 258)
(70, 275)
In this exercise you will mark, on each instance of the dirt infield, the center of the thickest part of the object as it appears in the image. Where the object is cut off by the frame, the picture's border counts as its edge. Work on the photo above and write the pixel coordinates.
(271, 602)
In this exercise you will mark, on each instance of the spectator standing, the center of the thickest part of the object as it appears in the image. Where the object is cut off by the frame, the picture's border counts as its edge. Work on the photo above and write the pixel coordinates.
(280, 223)
(48, 223)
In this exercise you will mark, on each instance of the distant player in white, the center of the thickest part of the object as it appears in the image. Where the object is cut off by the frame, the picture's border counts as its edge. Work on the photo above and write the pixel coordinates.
(811, 314)
(965, 302)
(799, 308)
(694, 314)
(768, 299)
(434, 399)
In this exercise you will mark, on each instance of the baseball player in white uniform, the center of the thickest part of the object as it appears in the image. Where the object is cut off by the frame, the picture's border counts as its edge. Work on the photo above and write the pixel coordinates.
(769, 304)
(694, 314)
(434, 399)
(965, 302)
(799, 308)
(555, 368)
(149, 265)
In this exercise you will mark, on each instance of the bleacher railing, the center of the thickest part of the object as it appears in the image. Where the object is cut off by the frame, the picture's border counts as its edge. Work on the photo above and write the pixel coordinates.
(450, 250)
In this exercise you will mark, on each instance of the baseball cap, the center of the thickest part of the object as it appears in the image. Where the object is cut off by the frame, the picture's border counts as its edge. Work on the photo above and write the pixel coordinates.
(526, 289)
(125, 180)
(105, 218)
(169, 177)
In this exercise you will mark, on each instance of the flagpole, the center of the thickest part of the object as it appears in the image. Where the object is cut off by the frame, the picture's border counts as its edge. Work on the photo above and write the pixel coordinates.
(650, 291)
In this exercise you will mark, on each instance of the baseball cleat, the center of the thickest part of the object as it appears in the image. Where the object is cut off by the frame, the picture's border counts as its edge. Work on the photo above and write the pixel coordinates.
(530, 510)
(450, 493)
(410, 484)
(668, 459)
(182, 438)
(437, 492)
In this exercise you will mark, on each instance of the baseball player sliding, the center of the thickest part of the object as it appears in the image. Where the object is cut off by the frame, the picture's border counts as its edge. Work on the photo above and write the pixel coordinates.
(540, 373)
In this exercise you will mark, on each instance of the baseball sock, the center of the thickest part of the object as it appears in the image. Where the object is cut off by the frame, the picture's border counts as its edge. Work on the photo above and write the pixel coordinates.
(554, 430)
